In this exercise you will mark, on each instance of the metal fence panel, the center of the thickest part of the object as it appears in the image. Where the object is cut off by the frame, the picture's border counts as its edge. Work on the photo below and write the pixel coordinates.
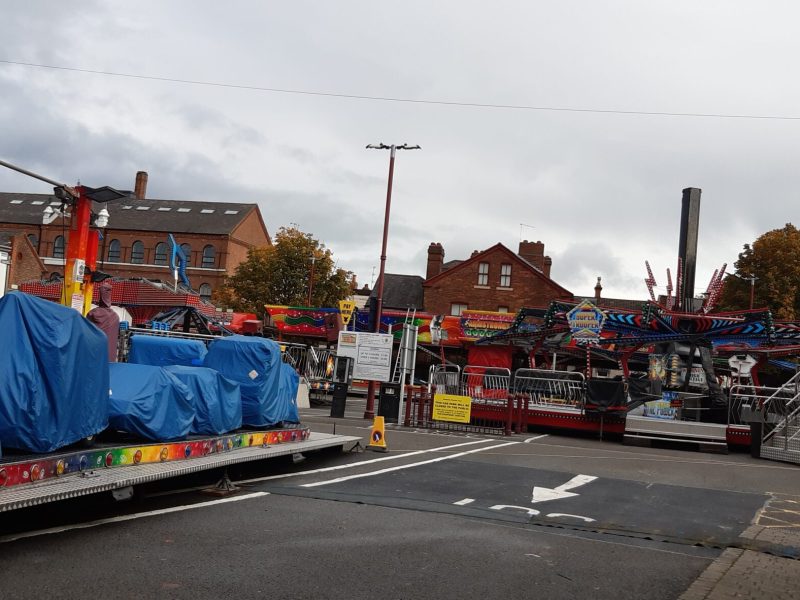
(545, 388)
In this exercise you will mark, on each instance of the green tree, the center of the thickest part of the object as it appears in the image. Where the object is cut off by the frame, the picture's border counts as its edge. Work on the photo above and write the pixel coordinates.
(774, 260)
(282, 274)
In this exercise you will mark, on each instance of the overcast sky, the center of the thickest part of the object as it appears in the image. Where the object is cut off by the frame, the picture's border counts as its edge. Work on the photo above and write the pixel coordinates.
(602, 190)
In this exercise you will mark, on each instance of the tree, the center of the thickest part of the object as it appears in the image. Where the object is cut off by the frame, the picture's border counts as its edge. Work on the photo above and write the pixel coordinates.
(282, 274)
(774, 260)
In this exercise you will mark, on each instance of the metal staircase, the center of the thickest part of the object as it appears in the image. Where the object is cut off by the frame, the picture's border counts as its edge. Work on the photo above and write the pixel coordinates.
(780, 413)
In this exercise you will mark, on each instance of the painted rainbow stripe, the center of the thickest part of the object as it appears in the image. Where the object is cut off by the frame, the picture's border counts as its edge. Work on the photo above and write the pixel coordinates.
(50, 467)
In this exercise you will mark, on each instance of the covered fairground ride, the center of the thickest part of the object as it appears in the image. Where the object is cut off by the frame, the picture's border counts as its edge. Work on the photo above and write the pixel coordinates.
(661, 373)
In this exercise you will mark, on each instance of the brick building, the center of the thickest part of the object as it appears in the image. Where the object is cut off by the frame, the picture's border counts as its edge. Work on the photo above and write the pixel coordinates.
(20, 260)
(495, 279)
(215, 236)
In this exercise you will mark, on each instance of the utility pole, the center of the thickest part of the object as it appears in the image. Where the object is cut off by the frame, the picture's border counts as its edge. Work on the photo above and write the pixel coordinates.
(369, 412)
(311, 280)
(752, 279)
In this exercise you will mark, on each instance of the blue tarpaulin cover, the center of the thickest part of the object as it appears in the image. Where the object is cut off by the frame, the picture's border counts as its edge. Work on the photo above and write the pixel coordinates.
(217, 399)
(163, 351)
(287, 392)
(150, 402)
(255, 363)
(53, 375)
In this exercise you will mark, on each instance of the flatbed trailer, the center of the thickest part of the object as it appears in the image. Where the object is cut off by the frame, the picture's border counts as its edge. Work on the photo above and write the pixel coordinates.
(39, 479)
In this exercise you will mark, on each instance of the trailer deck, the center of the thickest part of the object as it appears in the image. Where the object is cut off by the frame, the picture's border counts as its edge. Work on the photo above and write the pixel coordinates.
(50, 478)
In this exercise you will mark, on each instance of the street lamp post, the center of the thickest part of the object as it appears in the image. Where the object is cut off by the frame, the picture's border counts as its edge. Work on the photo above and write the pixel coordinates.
(752, 279)
(311, 280)
(369, 411)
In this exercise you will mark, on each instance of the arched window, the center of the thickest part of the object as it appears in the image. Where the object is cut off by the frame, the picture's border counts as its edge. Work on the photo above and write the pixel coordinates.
(58, 247)
(161, 253)
(137, 252)
(209, 254)
(34, 240)
(205, 292)
(114, 251)
(187, 250)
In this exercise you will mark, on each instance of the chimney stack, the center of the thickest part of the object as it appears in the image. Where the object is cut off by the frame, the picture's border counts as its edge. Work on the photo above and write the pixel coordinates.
(140, 191)
(533, 252)
(435, 260)
(548, 262)
(597, 289)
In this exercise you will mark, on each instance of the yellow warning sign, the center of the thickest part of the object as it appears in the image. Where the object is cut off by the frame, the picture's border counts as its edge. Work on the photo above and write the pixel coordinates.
(346, 308)
(449, 407)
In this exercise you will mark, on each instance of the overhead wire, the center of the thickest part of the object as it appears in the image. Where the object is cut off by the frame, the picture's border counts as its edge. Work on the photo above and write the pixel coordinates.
(463, 104)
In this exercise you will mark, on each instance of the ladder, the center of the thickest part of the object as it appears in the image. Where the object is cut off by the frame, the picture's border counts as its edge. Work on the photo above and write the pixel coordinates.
(398, 372)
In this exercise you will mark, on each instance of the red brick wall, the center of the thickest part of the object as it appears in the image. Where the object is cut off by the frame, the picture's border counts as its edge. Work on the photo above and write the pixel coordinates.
(460, 285)
(25, 264)
(249, 234)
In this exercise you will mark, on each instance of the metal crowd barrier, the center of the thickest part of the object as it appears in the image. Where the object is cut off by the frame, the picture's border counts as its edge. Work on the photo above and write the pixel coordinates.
(445, 378)
(545, 388)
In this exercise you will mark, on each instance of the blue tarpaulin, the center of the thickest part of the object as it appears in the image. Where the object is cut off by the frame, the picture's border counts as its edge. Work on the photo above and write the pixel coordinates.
(287, 393)
(217, 399)
(150, 402)
(163, 351)
(53, 375)
(255, 363)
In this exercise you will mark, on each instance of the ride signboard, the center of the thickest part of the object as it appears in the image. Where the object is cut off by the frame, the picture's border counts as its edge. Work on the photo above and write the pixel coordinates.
(586, 322)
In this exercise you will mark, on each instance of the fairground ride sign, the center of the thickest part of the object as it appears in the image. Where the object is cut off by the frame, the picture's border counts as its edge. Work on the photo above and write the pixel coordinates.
(586, 322)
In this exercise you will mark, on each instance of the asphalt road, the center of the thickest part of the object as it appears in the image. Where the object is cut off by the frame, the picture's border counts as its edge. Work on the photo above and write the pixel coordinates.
(439, 516)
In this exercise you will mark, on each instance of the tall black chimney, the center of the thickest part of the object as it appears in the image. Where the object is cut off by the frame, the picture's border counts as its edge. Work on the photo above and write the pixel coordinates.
(687, 247)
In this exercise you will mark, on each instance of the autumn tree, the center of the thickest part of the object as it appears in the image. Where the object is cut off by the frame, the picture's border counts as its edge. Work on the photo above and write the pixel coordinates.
(282, 274)
(774, 261)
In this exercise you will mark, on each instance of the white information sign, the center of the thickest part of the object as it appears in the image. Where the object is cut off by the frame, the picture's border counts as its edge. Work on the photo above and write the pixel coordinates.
(371, 354)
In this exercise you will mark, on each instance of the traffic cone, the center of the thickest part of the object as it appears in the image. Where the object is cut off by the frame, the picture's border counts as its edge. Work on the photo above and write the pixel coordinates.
(377, 438)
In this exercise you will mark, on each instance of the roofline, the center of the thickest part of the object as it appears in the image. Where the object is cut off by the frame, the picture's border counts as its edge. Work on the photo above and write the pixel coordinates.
(256, 208)
(514, 255)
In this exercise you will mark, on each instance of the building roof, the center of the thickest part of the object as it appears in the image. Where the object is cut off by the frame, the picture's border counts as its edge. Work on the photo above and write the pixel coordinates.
(479, 256)
(401, 291)
(617, 303)
(183, 216)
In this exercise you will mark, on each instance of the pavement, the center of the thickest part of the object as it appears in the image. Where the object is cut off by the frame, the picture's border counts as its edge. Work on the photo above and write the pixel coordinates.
(762, 562)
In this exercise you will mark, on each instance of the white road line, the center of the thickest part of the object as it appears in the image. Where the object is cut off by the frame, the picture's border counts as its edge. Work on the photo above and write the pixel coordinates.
(362, 462)
(464, 502)
(131, 517)
(533, 439)
(408, 466)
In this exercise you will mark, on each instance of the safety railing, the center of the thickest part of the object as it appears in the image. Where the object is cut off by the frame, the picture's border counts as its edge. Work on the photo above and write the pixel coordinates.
(446, 378)
(546, 388)
(773, 414)
(746, 402)
(492, 418)
(781, 415)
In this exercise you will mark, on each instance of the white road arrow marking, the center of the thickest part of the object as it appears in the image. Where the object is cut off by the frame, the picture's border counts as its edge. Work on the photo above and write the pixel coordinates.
(541, 494)
(556, 515)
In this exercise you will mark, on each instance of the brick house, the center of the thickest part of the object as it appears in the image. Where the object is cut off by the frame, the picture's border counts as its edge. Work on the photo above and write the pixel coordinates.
(20, 260)
(495, 279)
(215, 236)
